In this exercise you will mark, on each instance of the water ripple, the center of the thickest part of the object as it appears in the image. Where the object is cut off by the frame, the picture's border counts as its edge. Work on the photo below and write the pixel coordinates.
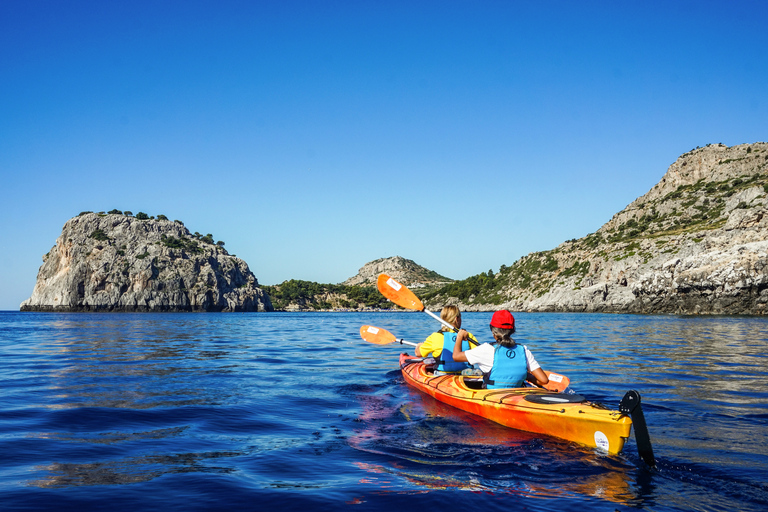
(294, 411)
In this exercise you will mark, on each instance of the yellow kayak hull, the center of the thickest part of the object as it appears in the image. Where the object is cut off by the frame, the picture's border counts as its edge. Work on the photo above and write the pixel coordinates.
(584, 423)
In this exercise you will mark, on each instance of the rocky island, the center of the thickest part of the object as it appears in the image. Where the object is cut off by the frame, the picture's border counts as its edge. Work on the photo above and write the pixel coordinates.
(117, 262)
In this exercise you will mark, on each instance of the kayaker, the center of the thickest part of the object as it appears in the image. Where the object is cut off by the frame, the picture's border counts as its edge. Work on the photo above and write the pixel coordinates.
(440, 344)
(504, 363)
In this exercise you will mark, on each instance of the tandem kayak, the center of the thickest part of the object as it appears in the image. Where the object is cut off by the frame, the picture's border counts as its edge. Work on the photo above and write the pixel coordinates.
(567, 416)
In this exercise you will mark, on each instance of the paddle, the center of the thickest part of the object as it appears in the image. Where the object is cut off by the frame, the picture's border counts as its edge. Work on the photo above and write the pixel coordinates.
(557, 382)
(405, 298)
(379, 336)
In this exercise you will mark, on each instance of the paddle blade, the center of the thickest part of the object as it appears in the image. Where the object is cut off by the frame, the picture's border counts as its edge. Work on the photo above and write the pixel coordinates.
(376, 335)
(556, 382)
(398, 293)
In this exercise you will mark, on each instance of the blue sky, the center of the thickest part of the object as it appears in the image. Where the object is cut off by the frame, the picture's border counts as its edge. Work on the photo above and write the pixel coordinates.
(313, 137)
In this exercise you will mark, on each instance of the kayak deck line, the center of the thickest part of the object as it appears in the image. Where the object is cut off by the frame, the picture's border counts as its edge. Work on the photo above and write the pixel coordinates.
(510, 394)
(435, 381)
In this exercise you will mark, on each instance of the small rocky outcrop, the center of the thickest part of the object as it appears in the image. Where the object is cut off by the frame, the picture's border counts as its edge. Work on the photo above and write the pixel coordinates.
(358, 293)
(116, 262)
(406, 271)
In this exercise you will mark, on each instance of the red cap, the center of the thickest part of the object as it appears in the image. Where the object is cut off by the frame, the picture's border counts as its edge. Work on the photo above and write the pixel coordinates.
(503, 320)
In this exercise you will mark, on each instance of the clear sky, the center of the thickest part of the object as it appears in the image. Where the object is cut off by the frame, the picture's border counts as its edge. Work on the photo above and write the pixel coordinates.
(315, 136)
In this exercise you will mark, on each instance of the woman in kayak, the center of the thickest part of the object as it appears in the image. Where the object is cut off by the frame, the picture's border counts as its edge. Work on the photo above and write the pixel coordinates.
(504, 363)
(440, 344)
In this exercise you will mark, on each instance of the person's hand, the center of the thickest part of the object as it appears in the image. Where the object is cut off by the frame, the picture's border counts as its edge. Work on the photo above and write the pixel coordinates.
(462, 335)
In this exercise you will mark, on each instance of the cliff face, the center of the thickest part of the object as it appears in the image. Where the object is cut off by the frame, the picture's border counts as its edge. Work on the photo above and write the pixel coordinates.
(697, 243)
(113, 262)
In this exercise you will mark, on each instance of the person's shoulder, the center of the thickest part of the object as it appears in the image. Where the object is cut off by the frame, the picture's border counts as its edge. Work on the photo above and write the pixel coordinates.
(484, 347)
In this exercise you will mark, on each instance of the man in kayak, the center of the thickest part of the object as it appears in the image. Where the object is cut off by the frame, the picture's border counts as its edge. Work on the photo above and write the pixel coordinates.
(504, 363)
(440, 344)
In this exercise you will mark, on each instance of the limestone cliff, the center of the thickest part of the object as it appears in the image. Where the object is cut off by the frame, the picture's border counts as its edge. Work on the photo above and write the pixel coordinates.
(116, 262)
(696, 243)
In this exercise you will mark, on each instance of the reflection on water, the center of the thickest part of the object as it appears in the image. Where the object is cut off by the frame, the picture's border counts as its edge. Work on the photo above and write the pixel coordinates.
(111, 437)
(130, 470)
(126, 363)
(436, 447)
(276, 409)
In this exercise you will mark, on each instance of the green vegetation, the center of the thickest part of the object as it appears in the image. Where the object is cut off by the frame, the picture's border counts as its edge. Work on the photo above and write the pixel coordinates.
(593, 240)
(523, 273)
(533, 273)
(729, 160)
(313, 295)
(696, 207)
(99, 234)
(483, 285)
(580, 268)
(181, 243)
(170, 242)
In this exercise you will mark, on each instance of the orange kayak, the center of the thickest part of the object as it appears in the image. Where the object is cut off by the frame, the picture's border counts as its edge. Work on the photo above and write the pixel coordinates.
(566, 416)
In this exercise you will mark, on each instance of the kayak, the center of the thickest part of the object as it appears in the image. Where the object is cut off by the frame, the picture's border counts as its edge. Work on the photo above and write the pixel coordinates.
(567, 416)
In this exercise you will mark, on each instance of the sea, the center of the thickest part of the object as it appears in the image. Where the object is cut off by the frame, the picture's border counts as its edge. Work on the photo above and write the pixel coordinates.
(295, 411)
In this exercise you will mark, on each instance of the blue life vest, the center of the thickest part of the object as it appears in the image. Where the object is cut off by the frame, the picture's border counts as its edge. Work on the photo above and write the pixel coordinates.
(509, 370)
(445, 362)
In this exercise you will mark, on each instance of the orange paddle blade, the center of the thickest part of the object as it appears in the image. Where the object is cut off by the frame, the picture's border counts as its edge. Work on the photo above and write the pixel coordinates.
(556, 382)
(376, 335)
(398, 293)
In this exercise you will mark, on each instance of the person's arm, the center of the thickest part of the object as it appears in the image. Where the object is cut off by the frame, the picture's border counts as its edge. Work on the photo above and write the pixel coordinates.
(429, 345)
(539, 377)
(536, 375)
(458, 354)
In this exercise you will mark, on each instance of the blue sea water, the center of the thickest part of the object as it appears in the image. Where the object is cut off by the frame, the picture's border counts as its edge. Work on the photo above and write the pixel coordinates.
(294, 411)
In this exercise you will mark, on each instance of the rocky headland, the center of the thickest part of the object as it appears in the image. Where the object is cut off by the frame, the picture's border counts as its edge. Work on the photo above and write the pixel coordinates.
(118, 262)
(696, 243)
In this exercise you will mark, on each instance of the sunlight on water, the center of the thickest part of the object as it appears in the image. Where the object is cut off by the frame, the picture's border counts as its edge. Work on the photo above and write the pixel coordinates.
(192, 411)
